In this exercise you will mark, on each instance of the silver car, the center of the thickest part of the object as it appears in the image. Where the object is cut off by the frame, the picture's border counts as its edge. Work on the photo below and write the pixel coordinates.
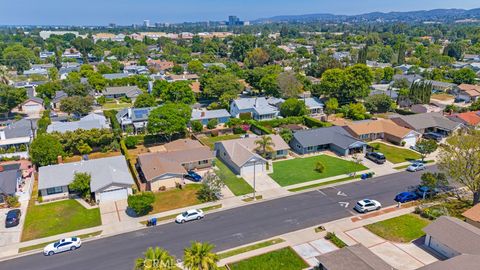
(417, 166)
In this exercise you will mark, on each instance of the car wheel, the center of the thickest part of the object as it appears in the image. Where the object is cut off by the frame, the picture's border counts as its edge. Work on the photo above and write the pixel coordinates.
(73, 248)
(183, 221)
(51, 253)
(199, 217)
(378, 208)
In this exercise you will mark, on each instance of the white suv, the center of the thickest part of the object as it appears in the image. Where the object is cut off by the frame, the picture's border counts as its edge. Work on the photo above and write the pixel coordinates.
(193, 214)
(367, 205)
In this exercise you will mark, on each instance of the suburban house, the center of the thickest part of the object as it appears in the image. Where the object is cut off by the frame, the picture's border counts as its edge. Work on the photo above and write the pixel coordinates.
(91, 121)
(114, 76)
(241, 155)
(131, 92)
(166, 168)
(137, 118)
(472, 216)
(438, 86)
(469, 119)
(260, 108)
(451, 237)
(204, 116)
(410, 78)
(314, 105)
(383, 129)
(32, 107)
(468, 92)
(335, 139)
(427, 122)
(110, 179)
(463, 262)
(134, 69)
(18, 136)
(159, 65)
(10, 178)
(59, 96)
(182, 77)
(356, 257)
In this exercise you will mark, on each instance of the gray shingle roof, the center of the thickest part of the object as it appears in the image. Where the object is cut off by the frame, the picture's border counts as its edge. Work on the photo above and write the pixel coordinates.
(88, 122)
(129, 91)
(8, 181)
(261, 105)
(200, 114)
(113, 76)
(329, 135)
(463, 262)
(20, 128)
(427, 120)
(356, 257)
(103, 171)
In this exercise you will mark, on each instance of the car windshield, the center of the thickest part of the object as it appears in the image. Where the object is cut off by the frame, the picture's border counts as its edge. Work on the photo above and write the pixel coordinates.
(184, 214)
(74, 239)
(56, 244)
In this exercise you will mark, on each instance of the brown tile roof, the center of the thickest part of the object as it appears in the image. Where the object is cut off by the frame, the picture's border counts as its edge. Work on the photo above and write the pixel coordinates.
(377, 126)
(154, 165)
(470, 89)
(456, 234)
(195, 86)
(473, 213)
(182, 144)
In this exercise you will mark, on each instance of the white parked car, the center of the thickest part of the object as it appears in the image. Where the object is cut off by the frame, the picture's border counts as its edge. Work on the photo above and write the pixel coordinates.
(367, 205)
(62, 245)
(417, 166)
(189, 215)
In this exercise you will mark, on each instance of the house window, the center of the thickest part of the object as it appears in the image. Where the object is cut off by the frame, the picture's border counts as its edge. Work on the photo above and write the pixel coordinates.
(54, 190)
(203, 162)
(280, 152)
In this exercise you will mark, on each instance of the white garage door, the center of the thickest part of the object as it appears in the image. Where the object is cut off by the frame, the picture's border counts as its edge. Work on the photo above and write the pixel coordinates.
(248, 169)
(113, 195)
(442, 249)
(410, 140)
(30, 108)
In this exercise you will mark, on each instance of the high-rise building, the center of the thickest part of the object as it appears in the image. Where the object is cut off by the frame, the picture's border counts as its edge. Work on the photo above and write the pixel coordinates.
(146, 23)
(234, 21)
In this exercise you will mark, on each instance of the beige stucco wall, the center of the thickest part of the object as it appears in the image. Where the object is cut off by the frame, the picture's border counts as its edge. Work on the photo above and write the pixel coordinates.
(167, 183)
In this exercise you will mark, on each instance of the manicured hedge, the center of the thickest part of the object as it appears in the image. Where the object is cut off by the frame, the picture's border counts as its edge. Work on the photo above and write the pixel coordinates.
(313, 123)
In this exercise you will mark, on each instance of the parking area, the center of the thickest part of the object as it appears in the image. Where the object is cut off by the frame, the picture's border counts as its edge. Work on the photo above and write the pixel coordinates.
(11, 235)
(113, 212)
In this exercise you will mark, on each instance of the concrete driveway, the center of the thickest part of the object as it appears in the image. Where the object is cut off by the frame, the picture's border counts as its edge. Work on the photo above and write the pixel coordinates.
(12, 235)
(262, 182)
(113, 212)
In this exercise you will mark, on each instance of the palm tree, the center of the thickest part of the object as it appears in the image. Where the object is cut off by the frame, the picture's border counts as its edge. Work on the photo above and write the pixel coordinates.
(199, 256)
(264, 145)
(155, 259)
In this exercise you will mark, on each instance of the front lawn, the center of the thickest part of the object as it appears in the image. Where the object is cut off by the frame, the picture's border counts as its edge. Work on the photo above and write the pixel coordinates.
(395, 154)
(237, 185)
(300, 170)
(210, 141)
(282, 259)
(176, 198)
(401, 229)
(58, 217)
(116, 106)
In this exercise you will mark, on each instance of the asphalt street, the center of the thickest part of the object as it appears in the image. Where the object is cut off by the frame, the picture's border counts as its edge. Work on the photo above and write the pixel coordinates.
(226, 229)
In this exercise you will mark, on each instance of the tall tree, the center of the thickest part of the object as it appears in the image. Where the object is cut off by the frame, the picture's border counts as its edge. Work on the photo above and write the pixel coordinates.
(200, 256)
(289, 85)
(76, 105)
(426, 147)
(460, 160)
(401, 54)
(155, 259)
(169, 119)
(331, 106)
(11, 97)
(293, 107)
(45, 149)
(264, 145)
(178, 92)
(362, 55)
(144, 100)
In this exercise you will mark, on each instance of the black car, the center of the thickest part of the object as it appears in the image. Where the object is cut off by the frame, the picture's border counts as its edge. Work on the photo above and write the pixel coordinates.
(433, 136)
(376, 157)
(13, 218)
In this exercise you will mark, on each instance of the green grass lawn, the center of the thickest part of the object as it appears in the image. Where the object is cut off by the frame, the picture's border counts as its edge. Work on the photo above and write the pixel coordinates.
(210, 141)
(176, 198)
(300, 170)
(115, 106)
(396, 154)
(348, 178)
(58, 217)
(401, 229)
(282, 259)
(236, 184)
(241, 250)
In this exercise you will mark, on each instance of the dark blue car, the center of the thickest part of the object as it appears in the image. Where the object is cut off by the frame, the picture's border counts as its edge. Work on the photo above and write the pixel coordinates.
(13, 218)
(193, 176)
(406, 197)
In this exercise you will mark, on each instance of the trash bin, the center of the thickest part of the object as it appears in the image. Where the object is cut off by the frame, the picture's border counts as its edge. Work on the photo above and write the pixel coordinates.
(363, 176)
(154, 221)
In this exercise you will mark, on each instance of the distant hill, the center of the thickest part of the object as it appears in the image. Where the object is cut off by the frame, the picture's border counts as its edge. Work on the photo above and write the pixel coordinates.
(437, 15)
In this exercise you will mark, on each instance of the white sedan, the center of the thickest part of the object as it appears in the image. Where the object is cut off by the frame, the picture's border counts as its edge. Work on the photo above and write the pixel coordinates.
(417, 166)
(367, 205)
(189, 215)
(62, 245)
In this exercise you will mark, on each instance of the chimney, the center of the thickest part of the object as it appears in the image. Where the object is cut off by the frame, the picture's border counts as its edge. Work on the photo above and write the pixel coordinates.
(255, 104)
(59, 160)
(202, 114)
(2, 135)
(129, 112)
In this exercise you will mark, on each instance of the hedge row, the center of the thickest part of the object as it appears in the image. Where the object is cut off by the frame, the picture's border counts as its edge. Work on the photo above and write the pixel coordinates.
(314, 123)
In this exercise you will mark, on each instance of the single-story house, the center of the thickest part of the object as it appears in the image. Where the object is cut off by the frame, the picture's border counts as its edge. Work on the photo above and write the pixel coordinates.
(260, 108)
(204, 116)
(33, 107)
(461, 262)
(335, 139)
(356, 257)
(469, 119)
(425, 108)
(113, 76)
(427, 122)
(110, 179)
(134, 69)
(472, 215)
(452, 237)
(18, 135)
(314, 105)
(468, 92)
(10, 178)
(59, 96)
(182, 77)
(167, 167)
(240, 154)
(88, 122)
(134, 117)
(410, 78)
(383, 129)
(131, 92)
(441, 86)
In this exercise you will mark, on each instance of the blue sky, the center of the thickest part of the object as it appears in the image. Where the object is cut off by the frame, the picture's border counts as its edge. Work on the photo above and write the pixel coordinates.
(102, 12)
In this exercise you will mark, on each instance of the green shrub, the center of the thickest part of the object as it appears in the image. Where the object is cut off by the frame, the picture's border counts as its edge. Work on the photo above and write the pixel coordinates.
(12, 201)
(212, 123)
(257, 128)
(315, 123)
(319, 167)
(245, 116)
(141, 203)
(197, 126)
(335, 240)
(131, 142)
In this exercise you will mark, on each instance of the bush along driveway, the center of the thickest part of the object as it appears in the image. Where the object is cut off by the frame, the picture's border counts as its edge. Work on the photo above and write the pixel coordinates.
(300, 170)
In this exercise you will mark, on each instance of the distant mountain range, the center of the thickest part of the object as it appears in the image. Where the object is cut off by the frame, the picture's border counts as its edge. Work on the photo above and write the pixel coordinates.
(435, 15)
